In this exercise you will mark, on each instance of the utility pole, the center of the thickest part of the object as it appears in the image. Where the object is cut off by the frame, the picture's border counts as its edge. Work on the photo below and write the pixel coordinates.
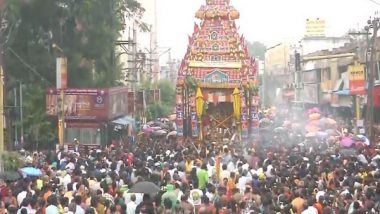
(1, 104)
(16, 127)
(374, 24)
(134, 59)
(357, 97)
(21, 115)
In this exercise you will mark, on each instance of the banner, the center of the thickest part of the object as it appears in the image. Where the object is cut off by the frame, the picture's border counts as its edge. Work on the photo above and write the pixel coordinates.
(179, 111)
(244, 117)
(89, 104)
(61, 72)
(356, 76)
(255, 120)
(79, 104)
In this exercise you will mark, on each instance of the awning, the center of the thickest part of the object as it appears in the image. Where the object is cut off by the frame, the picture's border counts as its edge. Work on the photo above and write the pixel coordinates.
(124, 121)
(344, 92)
(288, 94)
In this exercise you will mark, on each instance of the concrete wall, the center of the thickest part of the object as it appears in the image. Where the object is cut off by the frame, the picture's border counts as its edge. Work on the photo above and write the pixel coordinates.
(310, 45)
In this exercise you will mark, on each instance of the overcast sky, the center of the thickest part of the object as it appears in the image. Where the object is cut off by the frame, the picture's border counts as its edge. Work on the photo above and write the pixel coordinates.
(268, 21)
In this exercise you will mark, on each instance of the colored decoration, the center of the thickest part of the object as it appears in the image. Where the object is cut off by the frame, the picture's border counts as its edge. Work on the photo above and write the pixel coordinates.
(216, 74)
(237, 103)
(199, 107)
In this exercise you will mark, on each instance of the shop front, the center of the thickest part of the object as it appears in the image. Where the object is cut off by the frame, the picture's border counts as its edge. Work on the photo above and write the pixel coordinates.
(89, 113)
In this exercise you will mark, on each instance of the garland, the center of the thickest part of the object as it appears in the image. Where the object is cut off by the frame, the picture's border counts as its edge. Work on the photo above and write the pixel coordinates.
(191, 82)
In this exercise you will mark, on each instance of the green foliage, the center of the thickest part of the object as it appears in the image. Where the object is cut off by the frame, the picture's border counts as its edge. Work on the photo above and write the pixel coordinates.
(190, 82)
(11, 161)
(84, 30)
(165, 107)
(254, 89)
(257, 50)
(157, 110)
(167, 90)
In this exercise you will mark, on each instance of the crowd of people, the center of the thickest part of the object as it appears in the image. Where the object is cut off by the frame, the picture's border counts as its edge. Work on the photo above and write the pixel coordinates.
(303, 177)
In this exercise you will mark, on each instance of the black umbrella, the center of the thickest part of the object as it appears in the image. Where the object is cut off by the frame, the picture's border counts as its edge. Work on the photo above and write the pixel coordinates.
(348, 152)
(10, 175)
(145, 187)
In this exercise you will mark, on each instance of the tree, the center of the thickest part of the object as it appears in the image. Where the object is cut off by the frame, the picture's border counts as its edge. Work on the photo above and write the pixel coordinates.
(167, 103)
(85, 30)
(257, 50)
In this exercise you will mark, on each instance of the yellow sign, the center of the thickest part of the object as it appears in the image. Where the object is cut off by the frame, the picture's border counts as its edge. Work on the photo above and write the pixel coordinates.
(356, 72)
(212, 64)
(356, 77)
(315, 28)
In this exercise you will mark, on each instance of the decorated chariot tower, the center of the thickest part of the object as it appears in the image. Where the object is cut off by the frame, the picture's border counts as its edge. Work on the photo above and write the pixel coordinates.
(217, 92)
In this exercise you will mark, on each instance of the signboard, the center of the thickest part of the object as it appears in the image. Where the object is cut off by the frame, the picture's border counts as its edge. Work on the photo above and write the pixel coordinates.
(118, 102)
(88, 104)
(179, 112)
(356, 76)
(216, 77)
(79, 104)
(61, 72)
(315, 28)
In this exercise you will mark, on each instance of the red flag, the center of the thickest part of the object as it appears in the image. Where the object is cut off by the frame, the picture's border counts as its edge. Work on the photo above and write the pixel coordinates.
(242, 40)
(196, 28)
(191, 40)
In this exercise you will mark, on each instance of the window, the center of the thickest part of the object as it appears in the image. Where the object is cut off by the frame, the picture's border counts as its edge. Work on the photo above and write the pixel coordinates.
(215, 47)
(326, 74)
(215, 58)
(214, 35)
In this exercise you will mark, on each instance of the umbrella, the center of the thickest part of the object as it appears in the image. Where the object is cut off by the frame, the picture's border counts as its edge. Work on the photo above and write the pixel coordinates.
(322, 122)
(172, 117)
(144, 187)
(10, 175)
(311, 134)
(346, 142)
(265, 121)
(172, 133)
(147, 130)
(363, 139)
(322, 135)
(31, 171)
(159, 132)
(331, 132)
(312, 128)
(348, 152)
(279, 129)
(331, 121)
(156, 128)
(296, 126)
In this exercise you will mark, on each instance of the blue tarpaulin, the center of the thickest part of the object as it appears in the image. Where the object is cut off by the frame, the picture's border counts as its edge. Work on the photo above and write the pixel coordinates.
(126, 120)
(345, 92)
